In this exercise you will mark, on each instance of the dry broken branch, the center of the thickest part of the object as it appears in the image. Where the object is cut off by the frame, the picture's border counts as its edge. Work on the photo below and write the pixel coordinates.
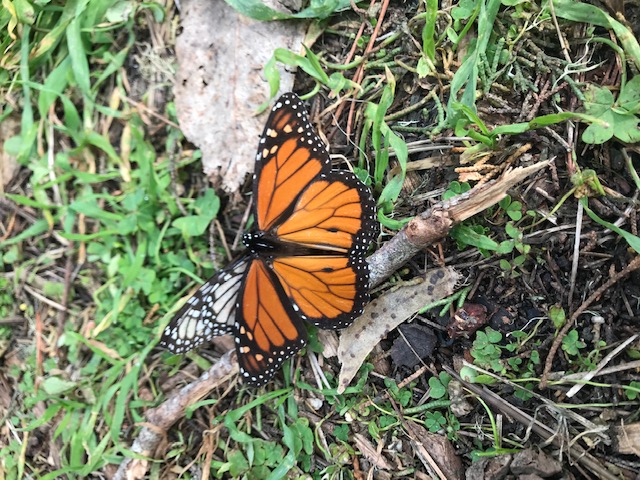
(434, 224)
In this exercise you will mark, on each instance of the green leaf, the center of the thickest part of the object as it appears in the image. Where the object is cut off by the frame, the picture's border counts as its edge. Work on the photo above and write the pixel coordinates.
(632, 391)
(467, 236)
(309, 63)
(87, 204)
(208, 204)
(57, 386)
(192, 225)
(272, 74)
(512, 231)
(626, 128)
(437, 388)
(505, 247)
(571, 343)
(519, 260)
(317, 9)
(464, 9)
(103, 144)
(428, 32)
(466, 77)
(53, 87)
(597, 134)
(38, 227)
(121, 11)
(557, 316)
(423, 68)
(597, 100)
(493, 335)
(629, 97)
(24, 11)
(391, 223)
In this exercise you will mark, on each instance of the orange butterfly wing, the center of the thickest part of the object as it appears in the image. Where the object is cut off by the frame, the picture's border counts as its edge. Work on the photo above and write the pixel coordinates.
(327, 291)
(290, 157)
(268, 330)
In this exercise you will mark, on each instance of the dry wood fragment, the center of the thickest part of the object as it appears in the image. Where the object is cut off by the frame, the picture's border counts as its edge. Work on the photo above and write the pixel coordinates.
(436, 452)
(371, 452)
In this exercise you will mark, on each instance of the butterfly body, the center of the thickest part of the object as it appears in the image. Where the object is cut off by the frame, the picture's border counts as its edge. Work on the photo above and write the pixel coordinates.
(305, 258)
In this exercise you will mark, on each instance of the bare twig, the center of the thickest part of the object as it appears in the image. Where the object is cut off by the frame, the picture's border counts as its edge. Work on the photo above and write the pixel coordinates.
(434, 224)
(576, 253)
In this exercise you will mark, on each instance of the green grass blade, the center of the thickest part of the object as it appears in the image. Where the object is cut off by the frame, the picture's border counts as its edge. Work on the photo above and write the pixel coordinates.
(466, 76)
(79, 63)
(53, 86)
(632, 240)
(428, 32)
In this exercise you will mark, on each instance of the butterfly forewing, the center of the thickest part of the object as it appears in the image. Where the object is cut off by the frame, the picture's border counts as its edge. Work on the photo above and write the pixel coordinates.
(290, 157)
(210, 312)
(269, 331)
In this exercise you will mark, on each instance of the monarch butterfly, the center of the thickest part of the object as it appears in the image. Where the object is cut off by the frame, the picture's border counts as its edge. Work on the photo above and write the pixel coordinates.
(304, 260)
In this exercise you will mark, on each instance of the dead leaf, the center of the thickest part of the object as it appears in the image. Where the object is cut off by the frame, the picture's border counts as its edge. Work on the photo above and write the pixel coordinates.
(467, 320)
(220, 83)
(9, 127)
(495, 468)
(460, 406)
(535, 462)
(627, 439)
(414, 345)
(435, 451)
(384, 314)
(329, 341)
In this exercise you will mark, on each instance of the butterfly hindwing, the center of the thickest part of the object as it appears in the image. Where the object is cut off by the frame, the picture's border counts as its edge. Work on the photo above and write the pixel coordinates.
(327, 291)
